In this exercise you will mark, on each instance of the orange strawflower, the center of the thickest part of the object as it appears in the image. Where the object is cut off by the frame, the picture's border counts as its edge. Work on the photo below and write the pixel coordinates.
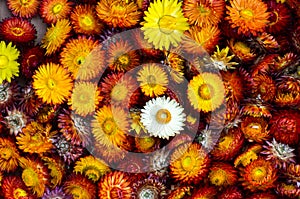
(249, 16)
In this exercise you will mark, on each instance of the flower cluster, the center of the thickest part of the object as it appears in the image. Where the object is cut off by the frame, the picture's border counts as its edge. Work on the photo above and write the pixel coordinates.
(150, 99)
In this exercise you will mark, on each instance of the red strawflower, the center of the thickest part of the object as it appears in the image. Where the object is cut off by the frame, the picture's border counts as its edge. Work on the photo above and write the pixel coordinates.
(17, 30)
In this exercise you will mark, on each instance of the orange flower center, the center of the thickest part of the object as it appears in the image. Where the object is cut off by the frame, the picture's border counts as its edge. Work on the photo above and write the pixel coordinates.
(163, 116)
(205, 91)
(258, 174)
(79, 192)
(119, 92)
(51, 83)
(19, 193)
(188, 163)
(109, 126)
(57, 8)
(6, 153)
(16, 31)
(167, 24)
(3, 61)
(247, 14)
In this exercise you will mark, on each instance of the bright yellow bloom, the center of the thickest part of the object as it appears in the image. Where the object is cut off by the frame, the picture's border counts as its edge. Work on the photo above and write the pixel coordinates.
(9, 66)
(93, 168)
(164, 23)
(85, 98)
(110, 125)
(206, 92)
(153, 80)
(52, 83)
(55, 36)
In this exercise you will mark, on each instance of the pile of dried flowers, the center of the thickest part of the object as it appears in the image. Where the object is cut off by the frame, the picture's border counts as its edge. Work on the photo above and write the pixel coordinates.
(150, 99)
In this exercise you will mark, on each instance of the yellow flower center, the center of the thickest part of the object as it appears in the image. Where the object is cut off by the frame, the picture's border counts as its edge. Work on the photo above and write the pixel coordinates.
(205, 91)
(163, 116)
(25, 2)
(146, 142)
(86, 21)
(218, 177)
(79, 193)
(247, 14)
(30, 177)
(109, 126)
(80, 60)
(274, 18)
(3, 61)
(16, 31)
(19, 193)
(51, 83)
(226, 142)
(123, 59)
(188, 163)
(119, 92)
(57, 8)
(258, 174)
(6, 153)
(93, 174)
(151, 80)
(167, 24)
(242, 47)
(117, 9)
(203, 10)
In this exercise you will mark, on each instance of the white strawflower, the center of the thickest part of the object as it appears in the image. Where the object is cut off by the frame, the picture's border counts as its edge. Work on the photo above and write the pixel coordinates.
(163, 117)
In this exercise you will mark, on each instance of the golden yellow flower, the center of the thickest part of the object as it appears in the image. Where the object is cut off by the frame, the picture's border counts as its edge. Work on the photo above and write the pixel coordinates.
(9, 155)
(153, 80)
(189, 163)
(248, 156)
(249, 16)
(52, 83)
(110, 125)
(83, 58)
(9, 66)
(56, 35)
(34, 175)
(164, 23)
(85, 98)
(206, 92)
(241, 50)
(91, 167)
(35, 138)
(113, 13)
(57, 169)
